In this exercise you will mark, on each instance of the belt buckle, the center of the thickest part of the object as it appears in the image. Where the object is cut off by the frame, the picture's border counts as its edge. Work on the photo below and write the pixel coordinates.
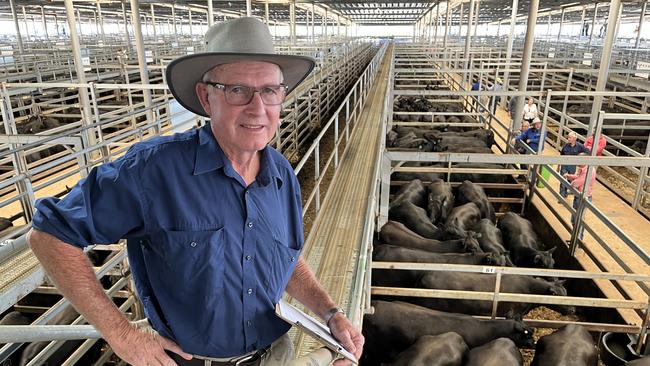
(253, 356)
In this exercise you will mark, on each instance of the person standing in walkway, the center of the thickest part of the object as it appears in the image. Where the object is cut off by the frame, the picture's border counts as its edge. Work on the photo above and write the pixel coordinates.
(497, 86)
(572, 147)
(578, 181)
(530, 110)
(512, 105)
(476, 86)
(602, 143)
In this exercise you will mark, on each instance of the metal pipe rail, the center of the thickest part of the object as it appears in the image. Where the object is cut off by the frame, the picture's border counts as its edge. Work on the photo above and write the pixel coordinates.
(5, 302)
(361, 282)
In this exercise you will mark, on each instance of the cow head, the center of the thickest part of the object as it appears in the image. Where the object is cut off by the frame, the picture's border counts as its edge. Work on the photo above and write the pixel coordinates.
(495, 259)
(522, 335)
(433, 141)
(544, 259)
(470, 244)
(489, 138)
(556, 288)
(438, 208)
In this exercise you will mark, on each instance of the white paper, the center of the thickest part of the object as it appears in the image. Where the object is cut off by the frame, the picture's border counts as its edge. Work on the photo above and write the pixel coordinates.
(295, 316)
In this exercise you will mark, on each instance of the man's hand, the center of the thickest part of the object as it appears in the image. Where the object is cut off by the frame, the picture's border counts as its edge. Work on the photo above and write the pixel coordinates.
(144, 347)
(348, 335)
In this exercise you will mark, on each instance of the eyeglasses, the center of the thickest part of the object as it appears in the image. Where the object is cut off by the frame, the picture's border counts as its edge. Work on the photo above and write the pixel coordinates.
(242, 95)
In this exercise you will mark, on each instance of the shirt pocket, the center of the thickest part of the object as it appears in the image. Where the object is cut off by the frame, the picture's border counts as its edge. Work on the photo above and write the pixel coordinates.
(188, 261)
(284, 262)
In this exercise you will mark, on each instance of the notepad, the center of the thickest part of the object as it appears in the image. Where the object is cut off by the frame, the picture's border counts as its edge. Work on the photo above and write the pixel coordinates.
(297, 317)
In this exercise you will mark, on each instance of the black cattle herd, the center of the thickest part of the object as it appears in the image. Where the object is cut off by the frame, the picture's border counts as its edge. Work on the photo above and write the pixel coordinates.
(432, 221)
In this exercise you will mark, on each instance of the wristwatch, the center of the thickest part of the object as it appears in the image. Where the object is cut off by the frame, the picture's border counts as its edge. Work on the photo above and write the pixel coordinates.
(330, 314)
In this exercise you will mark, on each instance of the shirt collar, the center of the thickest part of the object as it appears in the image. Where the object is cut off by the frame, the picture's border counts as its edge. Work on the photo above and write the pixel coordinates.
(210, 157)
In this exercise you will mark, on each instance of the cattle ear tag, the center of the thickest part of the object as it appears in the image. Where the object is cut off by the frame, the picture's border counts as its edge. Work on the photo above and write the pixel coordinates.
(490, 270)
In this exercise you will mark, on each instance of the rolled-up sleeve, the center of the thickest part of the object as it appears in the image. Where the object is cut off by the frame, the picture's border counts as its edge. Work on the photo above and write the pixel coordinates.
(102, 208)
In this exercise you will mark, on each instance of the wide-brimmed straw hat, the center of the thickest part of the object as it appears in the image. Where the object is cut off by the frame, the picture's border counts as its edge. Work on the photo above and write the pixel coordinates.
(241, 39)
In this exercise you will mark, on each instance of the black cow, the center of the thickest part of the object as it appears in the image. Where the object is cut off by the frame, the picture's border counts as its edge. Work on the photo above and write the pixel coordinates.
(478, 177)
(460, 221)
(499, 352)
(396, 233)
(409, 176)
(392, 253)
(391, 137)
(570, 345)
(447, 349)
(481, 134)
(470, 192)
(440, 200)
(395, 326)
(450, 142)
(414, 192)
(5, 223)
(13, 318)
(490, 239)
(415, 218)
(66, 316)
(639, 146)
(419, 132)
(411, 141)
(520, 239)
(517, 284)
(469, 149)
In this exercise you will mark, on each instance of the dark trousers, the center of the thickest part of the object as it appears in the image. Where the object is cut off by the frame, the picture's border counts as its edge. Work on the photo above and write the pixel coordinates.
(571, 169)
(576, 203)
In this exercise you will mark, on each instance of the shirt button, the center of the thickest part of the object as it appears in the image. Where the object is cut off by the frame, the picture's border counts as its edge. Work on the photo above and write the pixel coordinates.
(193, 244)
(293, 259)
(249, 323)
(248, 257)
(250, 291)
(250, 225)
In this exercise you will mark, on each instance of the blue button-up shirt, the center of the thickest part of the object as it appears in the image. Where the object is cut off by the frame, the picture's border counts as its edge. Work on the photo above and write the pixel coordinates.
(210, 256)
(533, 136)
(576, 149)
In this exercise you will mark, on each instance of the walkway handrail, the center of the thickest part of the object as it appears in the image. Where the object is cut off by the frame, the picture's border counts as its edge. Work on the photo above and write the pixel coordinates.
(355, 97)
(361, 283)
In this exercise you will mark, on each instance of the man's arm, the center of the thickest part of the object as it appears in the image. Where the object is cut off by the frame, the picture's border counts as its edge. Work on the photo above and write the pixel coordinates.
(305, 288)
(71, 271)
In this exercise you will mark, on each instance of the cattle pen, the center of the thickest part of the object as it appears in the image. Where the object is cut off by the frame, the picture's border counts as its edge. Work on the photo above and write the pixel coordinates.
(405, 98)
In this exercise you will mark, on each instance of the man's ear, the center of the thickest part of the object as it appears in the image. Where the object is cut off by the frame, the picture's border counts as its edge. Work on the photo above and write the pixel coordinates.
(202, 93)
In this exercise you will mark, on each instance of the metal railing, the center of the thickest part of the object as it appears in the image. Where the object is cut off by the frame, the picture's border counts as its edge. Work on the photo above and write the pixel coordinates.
(352, 105)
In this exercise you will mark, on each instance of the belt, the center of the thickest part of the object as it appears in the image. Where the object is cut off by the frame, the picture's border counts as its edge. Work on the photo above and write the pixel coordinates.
(249, 359)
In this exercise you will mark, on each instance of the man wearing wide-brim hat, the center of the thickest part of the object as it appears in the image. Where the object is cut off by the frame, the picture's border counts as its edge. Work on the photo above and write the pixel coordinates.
(212, 219)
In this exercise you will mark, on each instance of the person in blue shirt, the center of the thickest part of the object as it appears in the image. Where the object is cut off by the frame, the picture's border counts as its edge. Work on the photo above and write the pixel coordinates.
(572, 147)
(212, 219)
(531, 137)
(476, 86)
